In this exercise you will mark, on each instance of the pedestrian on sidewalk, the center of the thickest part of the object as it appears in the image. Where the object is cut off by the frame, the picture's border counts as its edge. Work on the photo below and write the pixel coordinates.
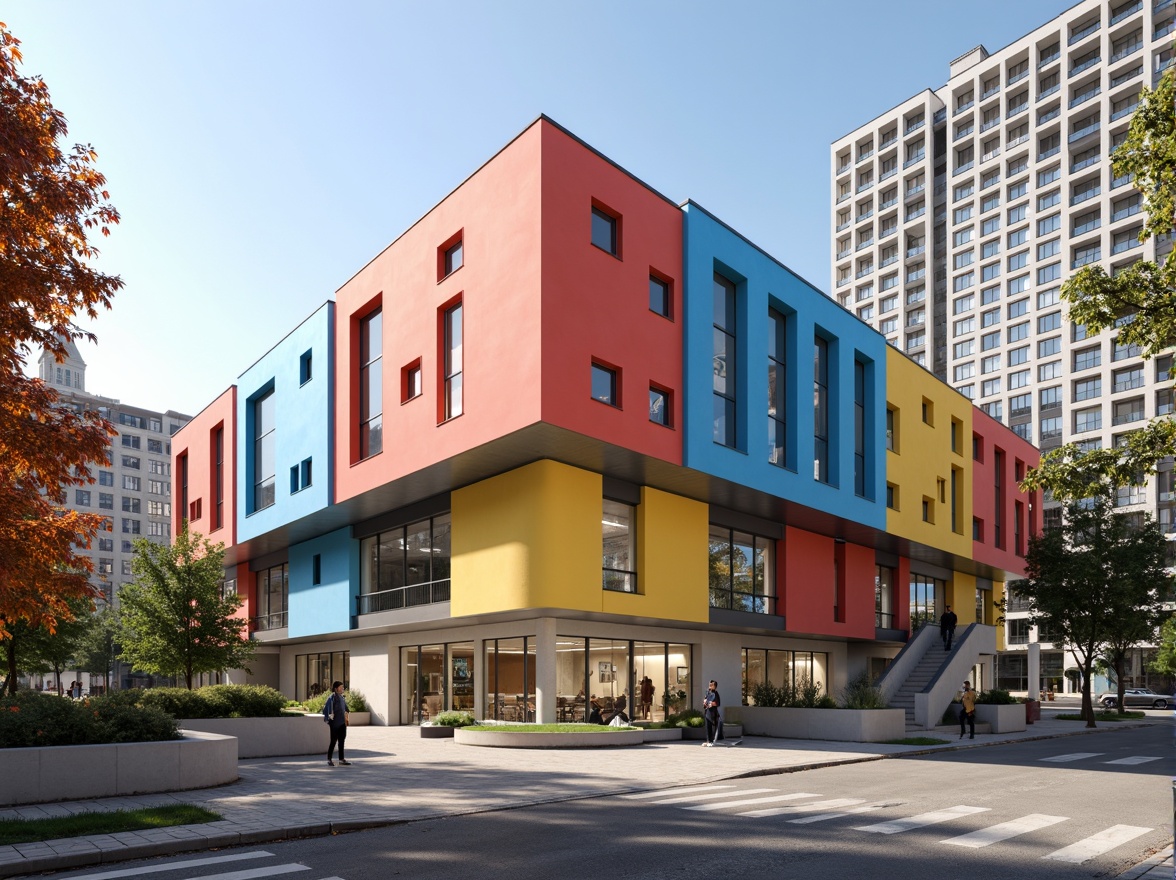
(710, 713)
(947, 625)
(335, 711)
(967, 698)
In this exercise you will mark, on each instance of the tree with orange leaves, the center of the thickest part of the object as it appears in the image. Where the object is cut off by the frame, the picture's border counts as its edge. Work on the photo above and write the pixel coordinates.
(53, 199)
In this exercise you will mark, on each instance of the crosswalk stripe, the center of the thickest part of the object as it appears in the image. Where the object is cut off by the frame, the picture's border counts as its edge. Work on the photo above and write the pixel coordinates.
(686, 798)
(1097, 844)
(922, 820)
(176, 866)
(657, 794)
(1075, 756)
(808, 820)
(1134, 759)
(271, 871)
(1005, 830)
(762, 800)
(816, 806)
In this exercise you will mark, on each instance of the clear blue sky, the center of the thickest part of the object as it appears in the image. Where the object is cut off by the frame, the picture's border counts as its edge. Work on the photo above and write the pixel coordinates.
(262, 152)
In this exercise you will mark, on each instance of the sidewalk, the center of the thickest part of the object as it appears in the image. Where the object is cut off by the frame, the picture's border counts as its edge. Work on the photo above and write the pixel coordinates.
(398, 777)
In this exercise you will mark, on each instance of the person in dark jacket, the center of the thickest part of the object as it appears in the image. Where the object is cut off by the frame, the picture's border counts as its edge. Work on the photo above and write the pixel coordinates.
(335, 711)
(618, 711)
(947, 625)
(710, 713)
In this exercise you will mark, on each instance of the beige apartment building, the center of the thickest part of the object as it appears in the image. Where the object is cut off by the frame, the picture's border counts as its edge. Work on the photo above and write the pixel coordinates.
(958, 213)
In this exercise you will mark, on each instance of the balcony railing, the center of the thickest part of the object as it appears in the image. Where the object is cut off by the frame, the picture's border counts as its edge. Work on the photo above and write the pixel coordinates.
(265, 622)
(733, 601)
(1127, 12)
(404, 597)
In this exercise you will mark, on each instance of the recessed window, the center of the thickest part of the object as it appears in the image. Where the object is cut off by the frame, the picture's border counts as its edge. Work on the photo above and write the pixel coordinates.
(453, 385)
(604, 385)
(659, 296)
(305, 368)
(316, 569)
(659, 406)
(604, 231)
(411, 382)
(892, 496)
(371, 398)
(453, 258)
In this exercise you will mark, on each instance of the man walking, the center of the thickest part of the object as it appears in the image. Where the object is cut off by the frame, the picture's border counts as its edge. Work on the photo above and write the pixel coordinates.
(947, 625)
(335, 711)
(967, 698)
(710, 713)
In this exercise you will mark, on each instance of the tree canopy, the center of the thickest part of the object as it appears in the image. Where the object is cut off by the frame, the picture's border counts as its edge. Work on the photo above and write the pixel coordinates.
(175, 618)
(1096, 582)
(54, 200)
(1137, 300)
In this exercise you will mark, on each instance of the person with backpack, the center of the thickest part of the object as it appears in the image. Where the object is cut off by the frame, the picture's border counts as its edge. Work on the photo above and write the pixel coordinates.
(710, 714)
(336, 715)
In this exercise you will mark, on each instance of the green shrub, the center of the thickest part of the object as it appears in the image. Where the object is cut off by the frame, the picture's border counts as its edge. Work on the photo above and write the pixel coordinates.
(765, 693)
(452, 719)
(690, 722)
(804, 694)
(686, 715)
(215, 701)
(34, 719)
(996, 697)
(355, 702)
(861, 694)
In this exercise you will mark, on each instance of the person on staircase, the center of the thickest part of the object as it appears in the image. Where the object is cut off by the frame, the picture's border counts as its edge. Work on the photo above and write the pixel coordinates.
(947, 625)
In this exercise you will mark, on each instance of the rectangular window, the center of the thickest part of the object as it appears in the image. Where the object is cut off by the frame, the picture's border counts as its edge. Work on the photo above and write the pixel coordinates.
(264, 456)
(724, 383)
(659, 296)
(305, 367)
(453, 362)
(131, 441)
(371, 384)
(82, 497)
(131, 483)
(659, 406)
(131, 505)
(604, 231)
(619, 541)
(105, 478)
(273, 594)
(859, 428)
(453, 258)
(820, 409)
(412, 382)
(219, 477)
(777, 389)
(741, 571)
(604, 385)
(405, 566)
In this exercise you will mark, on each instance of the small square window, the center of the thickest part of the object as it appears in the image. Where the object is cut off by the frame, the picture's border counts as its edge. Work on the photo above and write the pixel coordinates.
(316, 569)
(659, 406)
(604, 231)
(305, 368)
(453, 257)
(659, 296)
(892, 496)
(306, 472)
(604, 385)
(411, 382)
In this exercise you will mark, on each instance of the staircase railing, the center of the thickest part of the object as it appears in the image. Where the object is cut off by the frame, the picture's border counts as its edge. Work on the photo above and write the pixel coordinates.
(975, 641)
(906, 661)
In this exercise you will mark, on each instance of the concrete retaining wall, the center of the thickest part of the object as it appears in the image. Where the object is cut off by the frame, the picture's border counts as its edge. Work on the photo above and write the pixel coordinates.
(269, 737)
(1003, 718)
(512, 739)
(58, 773)
(661, 734)
(842, 725)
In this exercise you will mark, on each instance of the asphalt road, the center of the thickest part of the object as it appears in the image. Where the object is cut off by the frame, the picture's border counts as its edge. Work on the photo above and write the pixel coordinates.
(1074, 807)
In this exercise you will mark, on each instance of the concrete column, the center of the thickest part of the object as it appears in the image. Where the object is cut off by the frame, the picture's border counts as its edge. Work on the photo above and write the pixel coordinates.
(480, 708)
(545, 671)
(1034, 676)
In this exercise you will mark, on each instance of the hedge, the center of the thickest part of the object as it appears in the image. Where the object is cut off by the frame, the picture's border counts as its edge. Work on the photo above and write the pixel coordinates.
(37, 719)
(215, 701)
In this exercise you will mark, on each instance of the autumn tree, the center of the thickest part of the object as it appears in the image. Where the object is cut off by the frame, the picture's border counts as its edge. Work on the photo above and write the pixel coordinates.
(1138, 300)
(175, 619)
(54, 202)
(1096, 582)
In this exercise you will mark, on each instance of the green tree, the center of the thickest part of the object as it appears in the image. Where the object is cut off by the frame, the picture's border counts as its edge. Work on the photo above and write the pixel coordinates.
(1137, 300)
(1093, 580)
(98, 648)
(35, 648)
(175, 618)
(1165, 662)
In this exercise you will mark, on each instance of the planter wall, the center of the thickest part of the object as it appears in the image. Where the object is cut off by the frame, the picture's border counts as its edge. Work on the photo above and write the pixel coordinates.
(666, 734)
(842, 725)
(58, 773)
(512, 739)
(437, 731)
(1002, 718)
(269, 737)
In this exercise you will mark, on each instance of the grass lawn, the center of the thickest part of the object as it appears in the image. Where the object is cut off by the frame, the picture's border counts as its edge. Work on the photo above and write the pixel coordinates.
(548, 728)
(1102, 716)
(916, 741)
(31, 830)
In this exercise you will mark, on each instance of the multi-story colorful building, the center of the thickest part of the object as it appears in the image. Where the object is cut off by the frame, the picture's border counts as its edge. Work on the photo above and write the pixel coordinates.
(565, 438)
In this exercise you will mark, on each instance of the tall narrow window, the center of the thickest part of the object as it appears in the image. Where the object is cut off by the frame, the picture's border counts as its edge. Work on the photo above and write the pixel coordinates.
(777, 388)
(604, 231)
(859, 428)
(619, 556)
(219, 489)
(724, 361)
(371, 384)
(998, 460)
(453, 362)
(264, 458)
(820, 410)
(183, 475)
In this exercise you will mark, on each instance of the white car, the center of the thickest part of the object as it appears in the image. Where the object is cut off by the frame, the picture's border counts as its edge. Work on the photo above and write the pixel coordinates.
(1139, 697)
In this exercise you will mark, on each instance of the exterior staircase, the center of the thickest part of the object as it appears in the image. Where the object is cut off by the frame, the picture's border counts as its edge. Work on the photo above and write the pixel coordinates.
(926, 669)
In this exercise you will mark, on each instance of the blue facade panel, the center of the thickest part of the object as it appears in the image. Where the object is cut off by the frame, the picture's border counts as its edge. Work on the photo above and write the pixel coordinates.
(761, 284)
(324, 583)
(300, 372)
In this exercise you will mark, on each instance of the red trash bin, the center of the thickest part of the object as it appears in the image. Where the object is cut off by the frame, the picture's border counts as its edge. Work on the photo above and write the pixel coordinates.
(1032, 711)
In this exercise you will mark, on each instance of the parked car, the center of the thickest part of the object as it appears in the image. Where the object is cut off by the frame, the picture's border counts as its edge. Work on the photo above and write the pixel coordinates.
(1145, 697)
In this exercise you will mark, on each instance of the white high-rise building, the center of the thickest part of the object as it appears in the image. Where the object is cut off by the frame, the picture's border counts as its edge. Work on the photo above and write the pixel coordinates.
(958, 213)
(134, 491)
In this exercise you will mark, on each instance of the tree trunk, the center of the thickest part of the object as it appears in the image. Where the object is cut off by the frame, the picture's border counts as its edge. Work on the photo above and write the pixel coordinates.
(10, 684)
(1087, 702)
(57, 672)
(1121, 688)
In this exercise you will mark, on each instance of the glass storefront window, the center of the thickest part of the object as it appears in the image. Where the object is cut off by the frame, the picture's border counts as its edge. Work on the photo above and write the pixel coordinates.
(784, 669)
(510, 679)
(313, 673)
(926, 598)
(652, 678)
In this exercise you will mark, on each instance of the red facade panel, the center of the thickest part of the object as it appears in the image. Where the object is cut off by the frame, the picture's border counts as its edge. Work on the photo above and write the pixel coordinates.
(204, 472)
(1000, 461)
